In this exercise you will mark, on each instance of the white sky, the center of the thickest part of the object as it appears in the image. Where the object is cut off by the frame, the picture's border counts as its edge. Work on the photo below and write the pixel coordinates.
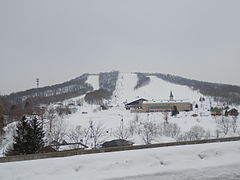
(57, 40)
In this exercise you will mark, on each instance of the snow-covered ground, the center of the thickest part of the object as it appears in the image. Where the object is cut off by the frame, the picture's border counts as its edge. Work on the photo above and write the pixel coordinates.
(94, 81)
(196, 162)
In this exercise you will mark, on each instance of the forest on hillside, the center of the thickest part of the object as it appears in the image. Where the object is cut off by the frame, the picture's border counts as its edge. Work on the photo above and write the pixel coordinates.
(229, 94)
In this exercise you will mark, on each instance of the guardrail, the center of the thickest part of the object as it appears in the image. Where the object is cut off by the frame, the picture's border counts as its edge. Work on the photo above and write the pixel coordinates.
(111, 149)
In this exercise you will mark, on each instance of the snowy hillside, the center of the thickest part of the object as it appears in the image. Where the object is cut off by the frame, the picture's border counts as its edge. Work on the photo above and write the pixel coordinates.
(157, 89)
(93, 80)
(198, 162)
(117, 116)
(83, 121)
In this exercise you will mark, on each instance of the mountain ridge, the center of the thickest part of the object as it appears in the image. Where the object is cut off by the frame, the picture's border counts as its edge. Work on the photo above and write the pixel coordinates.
(107, 80)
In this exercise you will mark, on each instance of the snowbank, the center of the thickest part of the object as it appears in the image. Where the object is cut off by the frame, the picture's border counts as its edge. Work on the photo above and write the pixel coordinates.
(168, 162)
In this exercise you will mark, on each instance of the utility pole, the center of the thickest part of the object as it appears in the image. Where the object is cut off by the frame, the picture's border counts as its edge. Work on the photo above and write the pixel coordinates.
(40, 109)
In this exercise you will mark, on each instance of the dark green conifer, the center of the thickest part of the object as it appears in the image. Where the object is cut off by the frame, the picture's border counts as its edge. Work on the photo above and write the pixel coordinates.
(20, 144)
(36, 136)
(29, 138)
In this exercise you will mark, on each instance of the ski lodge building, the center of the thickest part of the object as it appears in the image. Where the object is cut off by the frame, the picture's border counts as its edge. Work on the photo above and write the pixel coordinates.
(143, 106)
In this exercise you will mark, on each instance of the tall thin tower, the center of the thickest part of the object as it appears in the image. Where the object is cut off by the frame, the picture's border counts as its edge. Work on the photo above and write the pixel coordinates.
(37, 81)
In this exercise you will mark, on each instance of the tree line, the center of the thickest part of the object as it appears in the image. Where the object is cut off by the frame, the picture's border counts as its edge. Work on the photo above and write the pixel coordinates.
(143, 80)
(220, 92)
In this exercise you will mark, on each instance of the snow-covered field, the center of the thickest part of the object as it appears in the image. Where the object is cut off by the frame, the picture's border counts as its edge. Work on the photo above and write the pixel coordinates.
(191, 162)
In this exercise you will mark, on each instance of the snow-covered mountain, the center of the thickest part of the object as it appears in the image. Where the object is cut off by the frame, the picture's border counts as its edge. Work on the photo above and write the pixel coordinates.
(84, 117)
(92, 125)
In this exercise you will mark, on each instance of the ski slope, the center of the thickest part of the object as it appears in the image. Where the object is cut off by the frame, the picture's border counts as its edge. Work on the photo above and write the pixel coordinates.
(94, 81)
(198, 162)
(157, 89)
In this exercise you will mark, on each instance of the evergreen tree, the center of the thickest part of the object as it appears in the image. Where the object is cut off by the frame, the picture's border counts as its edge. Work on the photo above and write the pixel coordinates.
(28, 139)
(20, 145)
(174, 111)
(36, 137)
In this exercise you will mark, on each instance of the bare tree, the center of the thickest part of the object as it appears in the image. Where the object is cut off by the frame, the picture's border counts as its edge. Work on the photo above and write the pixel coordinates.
(234, 124)
(50, 115)
(134, 125)
(166, 116)
(224, 124)
(58, 130)
(79, 134)
(147, 132)
(97, 132)
(196, 133)
(217, 133)
(174, 130)
(136, 118)
(122, 133)
(207, 134)
(169, 129)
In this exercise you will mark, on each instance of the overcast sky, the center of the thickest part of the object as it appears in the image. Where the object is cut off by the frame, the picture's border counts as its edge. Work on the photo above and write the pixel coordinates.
(57, 40)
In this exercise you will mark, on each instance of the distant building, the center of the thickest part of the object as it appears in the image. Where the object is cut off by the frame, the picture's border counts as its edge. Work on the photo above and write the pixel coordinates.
(64, 146)
(169, 105)
(135, 104)
(164, 106)
(233, 112)
(216, 111)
